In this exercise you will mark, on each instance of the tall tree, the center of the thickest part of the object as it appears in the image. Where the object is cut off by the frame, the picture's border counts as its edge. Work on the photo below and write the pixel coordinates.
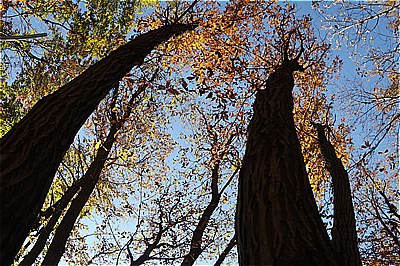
(155, 199)
(344, 235)
(369, 99)
(77, 36)
(277, 218)
(32, 150)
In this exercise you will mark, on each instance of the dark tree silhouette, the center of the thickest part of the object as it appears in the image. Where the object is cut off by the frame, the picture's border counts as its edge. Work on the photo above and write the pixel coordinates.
(344, 235)
(277, 218)
(32, 150)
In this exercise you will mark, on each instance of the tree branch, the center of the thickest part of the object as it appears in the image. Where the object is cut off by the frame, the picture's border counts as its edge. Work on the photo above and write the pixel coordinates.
(344, 235)
(226, 251)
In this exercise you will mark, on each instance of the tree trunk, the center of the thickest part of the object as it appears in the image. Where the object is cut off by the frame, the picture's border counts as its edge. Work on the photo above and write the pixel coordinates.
(277, 218)
(40, 243)
(344, 235)
(54, 212)
(195, 244)
(57, 246)
(226, 251)
(32, 150)
(87, 183)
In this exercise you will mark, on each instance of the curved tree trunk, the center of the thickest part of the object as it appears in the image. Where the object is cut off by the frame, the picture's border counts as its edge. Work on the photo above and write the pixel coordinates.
(277, 218)
(32, 150)
(92, 175)
(90, 180)
(344, 235)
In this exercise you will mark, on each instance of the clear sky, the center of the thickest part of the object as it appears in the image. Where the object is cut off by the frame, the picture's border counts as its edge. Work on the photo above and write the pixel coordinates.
(348, 72)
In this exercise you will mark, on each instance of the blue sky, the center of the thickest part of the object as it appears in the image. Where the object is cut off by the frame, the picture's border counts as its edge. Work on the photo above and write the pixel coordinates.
(348, 71)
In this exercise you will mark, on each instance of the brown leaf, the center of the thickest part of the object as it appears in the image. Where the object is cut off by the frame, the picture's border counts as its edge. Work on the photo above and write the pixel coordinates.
(173, 91)
(184, 84)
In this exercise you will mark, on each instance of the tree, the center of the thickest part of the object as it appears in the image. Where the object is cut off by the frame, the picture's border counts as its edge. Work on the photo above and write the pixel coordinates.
(78, 36)
(277, 217)
(344, 235)
(278, 222)
(83, 185)
(64, 111)
(164, 192)
(85, 190)
(368, 31)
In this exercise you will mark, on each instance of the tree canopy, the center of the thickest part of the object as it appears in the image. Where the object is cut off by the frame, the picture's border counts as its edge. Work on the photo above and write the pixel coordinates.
(132, 126)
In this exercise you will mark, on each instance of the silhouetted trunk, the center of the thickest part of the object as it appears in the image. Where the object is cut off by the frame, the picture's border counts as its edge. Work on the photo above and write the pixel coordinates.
(226, 251)
(196, 247)
(196, 242)
(40, 243)
(89, 181)
(344, 235)
(277, 218)
(58, 243)
(32, 150)
(54, 212)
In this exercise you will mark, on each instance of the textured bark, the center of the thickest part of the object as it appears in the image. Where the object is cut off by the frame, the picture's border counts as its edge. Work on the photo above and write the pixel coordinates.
(344, 235)
(277, 218)
(32, 150)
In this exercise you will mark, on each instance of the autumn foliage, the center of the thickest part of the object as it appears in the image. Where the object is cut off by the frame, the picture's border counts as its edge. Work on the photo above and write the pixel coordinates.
(152, 174)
